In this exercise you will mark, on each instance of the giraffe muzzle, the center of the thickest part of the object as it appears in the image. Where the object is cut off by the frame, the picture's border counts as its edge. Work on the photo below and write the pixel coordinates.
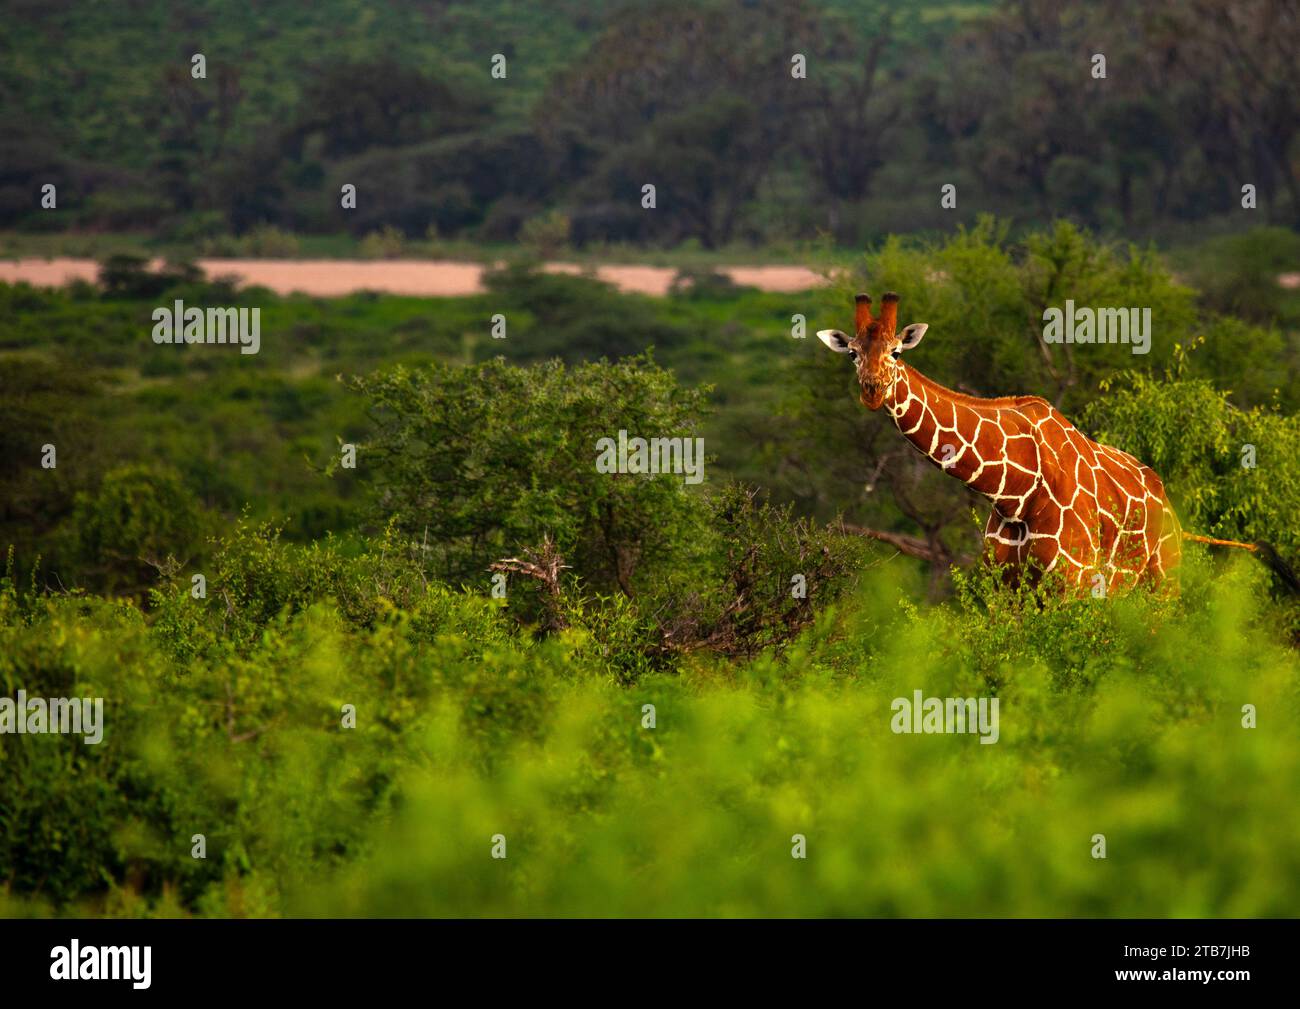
(873, 394)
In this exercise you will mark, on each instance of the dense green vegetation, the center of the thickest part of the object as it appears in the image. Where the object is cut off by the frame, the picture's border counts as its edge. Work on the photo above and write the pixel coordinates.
(1121, 718)
(256, 432)
(700, 99)
(478, 714)
(364, 611)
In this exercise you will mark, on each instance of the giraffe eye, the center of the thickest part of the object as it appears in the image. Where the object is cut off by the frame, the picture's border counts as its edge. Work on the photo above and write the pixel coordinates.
(853, 355)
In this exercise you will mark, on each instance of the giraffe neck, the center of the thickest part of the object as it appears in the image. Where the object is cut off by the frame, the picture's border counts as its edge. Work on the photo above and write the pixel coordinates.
(924, 412)
(980, 442)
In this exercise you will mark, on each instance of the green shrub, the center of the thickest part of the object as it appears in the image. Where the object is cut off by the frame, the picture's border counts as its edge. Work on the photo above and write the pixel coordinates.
(387, 242)
(1230, 473)
(577, 319)
(128, 276)
(129, 528)
(480, 463)
(697, 816)
(1121, 717)
(546, 235)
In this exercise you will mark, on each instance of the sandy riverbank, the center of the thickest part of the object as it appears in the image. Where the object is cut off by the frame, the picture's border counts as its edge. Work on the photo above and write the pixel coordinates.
(421, 278)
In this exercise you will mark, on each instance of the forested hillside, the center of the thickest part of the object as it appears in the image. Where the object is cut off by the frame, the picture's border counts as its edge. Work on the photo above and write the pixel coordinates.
(708, 102)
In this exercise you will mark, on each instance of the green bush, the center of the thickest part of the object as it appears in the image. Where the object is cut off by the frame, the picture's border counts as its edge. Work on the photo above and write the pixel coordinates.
(1120, 717)
(546, 235)
(577, 319)
(479, 463)
(1230, 472)
(264, 241)
(128, 276)
(385, 243)
(698, 815)
(138, 519)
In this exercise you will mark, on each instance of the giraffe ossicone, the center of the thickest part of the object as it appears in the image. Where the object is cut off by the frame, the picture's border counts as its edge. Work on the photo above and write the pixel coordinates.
(1060, 499)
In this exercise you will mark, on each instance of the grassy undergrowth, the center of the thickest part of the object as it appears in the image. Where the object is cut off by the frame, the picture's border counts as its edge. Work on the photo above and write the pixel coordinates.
(1121, 718)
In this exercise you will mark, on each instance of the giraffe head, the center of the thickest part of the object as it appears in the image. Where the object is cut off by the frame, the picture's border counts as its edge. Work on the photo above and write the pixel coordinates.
(875, 348)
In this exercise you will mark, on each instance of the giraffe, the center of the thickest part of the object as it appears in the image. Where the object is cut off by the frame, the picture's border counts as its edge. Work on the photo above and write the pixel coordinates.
(1060, 499)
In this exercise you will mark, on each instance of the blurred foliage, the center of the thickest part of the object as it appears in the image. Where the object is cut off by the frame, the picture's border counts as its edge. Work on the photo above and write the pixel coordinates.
(1237, 274)
(700, 99)
(546, 235)
(1120, 717)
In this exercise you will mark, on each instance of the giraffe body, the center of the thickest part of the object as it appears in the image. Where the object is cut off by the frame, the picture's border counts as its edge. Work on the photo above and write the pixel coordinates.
(1060, 500)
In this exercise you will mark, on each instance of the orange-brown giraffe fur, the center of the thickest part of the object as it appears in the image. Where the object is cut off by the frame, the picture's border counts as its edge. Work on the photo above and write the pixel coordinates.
(1060, 499)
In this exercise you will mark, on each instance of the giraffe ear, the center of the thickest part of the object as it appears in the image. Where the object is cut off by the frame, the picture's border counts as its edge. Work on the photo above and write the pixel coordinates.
(911, 336)
(834, 339)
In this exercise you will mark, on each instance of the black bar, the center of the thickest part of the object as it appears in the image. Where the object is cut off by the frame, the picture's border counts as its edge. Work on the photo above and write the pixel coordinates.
(330, 959)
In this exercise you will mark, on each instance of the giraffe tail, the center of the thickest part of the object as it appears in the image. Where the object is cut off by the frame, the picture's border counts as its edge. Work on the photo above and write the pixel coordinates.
(1264, 551)
(1211, 541)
